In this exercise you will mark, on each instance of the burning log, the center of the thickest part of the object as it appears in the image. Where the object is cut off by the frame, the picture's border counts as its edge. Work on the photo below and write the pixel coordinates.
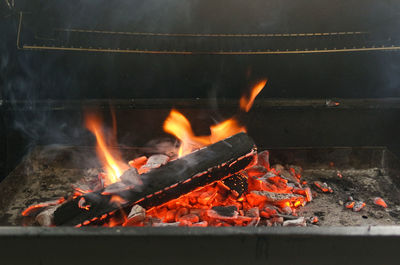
(178, 177)
(237, 184)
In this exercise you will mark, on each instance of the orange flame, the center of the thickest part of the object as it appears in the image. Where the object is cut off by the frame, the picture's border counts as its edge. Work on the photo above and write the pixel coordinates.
(247, 102)
(112, 161)
(179, 126)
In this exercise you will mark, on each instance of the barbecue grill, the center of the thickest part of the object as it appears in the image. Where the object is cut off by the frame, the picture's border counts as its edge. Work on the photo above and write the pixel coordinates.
(330, 105)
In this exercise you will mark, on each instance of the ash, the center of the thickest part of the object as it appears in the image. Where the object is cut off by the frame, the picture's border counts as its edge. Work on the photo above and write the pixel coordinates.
(42, 177)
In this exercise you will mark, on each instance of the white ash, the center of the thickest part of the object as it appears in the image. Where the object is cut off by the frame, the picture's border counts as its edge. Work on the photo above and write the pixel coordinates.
(253, 212)
(137, 214)
(155, 161)
(358, 205)
(46, 217)
(115, 188)
(301, 221)
(166, 224)
(276, 197)
(131, 177)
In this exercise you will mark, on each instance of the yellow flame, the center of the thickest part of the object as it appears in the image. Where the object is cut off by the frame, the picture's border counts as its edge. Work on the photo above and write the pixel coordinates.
(112, 162)
(247, 102)
(179, 126)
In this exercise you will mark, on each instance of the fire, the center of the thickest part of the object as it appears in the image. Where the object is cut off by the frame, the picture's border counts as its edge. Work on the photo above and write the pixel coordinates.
(247, 102)
(179, 126)
(112, 161)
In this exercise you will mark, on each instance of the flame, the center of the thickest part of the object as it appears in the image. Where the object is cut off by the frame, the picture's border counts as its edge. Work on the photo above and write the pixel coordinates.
(179, 126)
(112, 162)
(247, 102)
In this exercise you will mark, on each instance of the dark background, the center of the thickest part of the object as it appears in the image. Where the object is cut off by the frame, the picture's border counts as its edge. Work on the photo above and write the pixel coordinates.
(31, 81)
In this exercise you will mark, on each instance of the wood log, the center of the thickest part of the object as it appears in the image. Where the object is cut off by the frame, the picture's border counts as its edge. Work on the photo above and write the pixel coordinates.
(160, 185)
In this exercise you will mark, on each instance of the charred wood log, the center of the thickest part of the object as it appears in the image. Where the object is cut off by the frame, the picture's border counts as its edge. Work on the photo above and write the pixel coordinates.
(178, 177)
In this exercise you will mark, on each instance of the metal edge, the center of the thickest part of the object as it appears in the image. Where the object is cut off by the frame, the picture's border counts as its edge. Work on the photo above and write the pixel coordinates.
(351, 231)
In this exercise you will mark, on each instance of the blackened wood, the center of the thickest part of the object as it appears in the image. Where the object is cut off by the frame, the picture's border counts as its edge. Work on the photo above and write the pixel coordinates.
(167, 182)
(237, 183)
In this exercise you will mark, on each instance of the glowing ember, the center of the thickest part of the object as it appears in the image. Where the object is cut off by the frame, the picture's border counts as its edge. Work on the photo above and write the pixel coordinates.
(379, 201)
(112, 162)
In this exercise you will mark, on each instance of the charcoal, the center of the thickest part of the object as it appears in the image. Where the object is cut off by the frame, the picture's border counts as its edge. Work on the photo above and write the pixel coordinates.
(253, 212)
(131, 177)
(322, 187)
(190, 218)
(263, 159)
(358, 205)
(178, 177)
(285, 174)
(115, 188)
(35, 209)
(137, 214)
(301, 221)
(256, 171)
(223, 212)
(279, 197)
(154, 161)
(166, 224)
(227, 211)
(200, 224)
(237, 183)
(380, 202)
(46, 217)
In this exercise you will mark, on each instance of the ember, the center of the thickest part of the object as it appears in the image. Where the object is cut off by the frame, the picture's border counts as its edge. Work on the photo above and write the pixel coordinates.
(225, 183)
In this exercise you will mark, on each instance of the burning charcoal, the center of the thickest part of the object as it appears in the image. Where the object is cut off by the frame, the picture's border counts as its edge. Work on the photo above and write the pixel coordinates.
(349, 204)
(358, 205)
(298, 170)
(268, 212)
(237, 184)
(314, 219)
(256, 171)
(263, 159)
(138, 162)
(379, 201)
(37, 208)
(154, 161)
(276, 221)
(287, 210)
(179, 177)
(301, 221)
(228, 211)
(46, 217)
(201, 224)
(192, 218)
(278, 167)
(166, 224)
(253, 212)
(323, 186)
(181, 212)
(137, 214)
(223, 212)
(289, 176)
(131, 177)
(278, 198)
